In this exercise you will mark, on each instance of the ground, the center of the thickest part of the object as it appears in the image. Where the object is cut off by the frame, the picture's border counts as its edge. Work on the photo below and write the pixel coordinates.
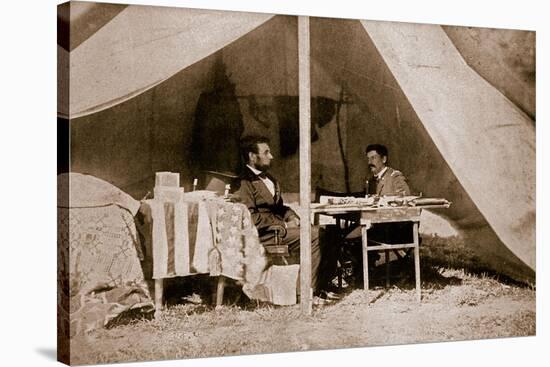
(456, 305)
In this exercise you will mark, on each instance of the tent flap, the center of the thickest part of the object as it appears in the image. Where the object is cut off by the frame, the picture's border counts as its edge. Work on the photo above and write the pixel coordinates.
(490, 150)
(143, 46)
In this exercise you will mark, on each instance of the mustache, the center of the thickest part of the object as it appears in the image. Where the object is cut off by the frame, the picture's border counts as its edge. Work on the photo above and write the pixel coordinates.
(371, 165)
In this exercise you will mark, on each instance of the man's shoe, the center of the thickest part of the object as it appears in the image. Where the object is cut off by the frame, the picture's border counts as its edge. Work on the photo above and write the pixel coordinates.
(330, 295)
(318, 301)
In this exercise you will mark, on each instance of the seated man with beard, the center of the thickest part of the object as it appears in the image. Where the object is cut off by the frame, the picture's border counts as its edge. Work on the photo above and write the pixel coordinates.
(261, 193)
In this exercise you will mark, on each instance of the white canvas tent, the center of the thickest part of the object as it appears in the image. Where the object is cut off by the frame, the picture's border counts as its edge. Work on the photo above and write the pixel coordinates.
(450, 125)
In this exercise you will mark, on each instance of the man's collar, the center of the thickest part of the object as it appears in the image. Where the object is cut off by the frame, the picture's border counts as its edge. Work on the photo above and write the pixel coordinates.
(381, 173)
(257, 172)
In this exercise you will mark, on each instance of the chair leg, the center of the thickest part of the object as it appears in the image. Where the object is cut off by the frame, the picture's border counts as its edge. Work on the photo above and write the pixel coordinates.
(417, 262)
(365, 258)
(340, 266)
(219, 290)
(387, 265)
(340, 271)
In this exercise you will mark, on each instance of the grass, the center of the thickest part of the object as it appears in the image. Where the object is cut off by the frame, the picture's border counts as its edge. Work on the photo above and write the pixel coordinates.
(461, 300)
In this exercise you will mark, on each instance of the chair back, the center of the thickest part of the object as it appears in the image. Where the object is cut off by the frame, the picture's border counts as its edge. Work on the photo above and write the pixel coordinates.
(216, 181)
(273, 241)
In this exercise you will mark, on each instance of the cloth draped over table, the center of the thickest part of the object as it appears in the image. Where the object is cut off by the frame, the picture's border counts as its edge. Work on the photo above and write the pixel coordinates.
(182, 237)
(99, 251)
(216, 237)
(98, 264)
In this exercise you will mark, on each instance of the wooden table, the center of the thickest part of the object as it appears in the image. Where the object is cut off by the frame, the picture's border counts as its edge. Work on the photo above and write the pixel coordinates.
(168, 245)
(199, 237)
(370, 215)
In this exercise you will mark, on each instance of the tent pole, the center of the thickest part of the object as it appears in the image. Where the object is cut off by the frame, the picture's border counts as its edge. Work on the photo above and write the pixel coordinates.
(305, 164)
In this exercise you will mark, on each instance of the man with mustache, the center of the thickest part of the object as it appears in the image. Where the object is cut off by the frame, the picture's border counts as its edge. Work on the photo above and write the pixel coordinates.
(385, 181)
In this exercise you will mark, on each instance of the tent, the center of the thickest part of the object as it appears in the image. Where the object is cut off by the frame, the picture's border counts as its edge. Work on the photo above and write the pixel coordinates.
(455, 106)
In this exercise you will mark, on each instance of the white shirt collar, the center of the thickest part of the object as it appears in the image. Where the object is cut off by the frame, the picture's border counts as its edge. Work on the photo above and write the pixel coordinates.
(267, 182)
(381, 173)
(254, 170)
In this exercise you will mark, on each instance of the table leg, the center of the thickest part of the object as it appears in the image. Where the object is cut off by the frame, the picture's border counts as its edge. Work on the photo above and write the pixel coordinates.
(387, 264)
(219, 291)
(417, 261)
(340, 269)
(365, 258)
(159, 289)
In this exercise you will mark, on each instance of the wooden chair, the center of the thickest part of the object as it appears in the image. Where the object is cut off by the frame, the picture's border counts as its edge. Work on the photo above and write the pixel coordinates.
(272, 240)
(273, 243)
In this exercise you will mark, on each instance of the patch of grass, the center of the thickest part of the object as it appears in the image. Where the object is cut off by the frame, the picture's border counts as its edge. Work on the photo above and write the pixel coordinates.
(460, 300)
(453, 253)
(450, 252)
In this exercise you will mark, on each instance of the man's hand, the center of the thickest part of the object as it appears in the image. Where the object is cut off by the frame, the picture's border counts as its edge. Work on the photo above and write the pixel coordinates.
(293, 223)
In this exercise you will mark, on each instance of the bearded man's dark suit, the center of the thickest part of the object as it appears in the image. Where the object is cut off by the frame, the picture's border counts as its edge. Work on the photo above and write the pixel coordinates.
(267, 210)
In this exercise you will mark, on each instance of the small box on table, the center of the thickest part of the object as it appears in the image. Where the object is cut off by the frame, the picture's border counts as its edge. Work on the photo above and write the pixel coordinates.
(170, 179)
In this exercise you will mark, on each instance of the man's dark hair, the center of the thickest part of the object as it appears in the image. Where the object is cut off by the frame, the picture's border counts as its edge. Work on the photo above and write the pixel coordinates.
(378, 148)
(249, 144)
